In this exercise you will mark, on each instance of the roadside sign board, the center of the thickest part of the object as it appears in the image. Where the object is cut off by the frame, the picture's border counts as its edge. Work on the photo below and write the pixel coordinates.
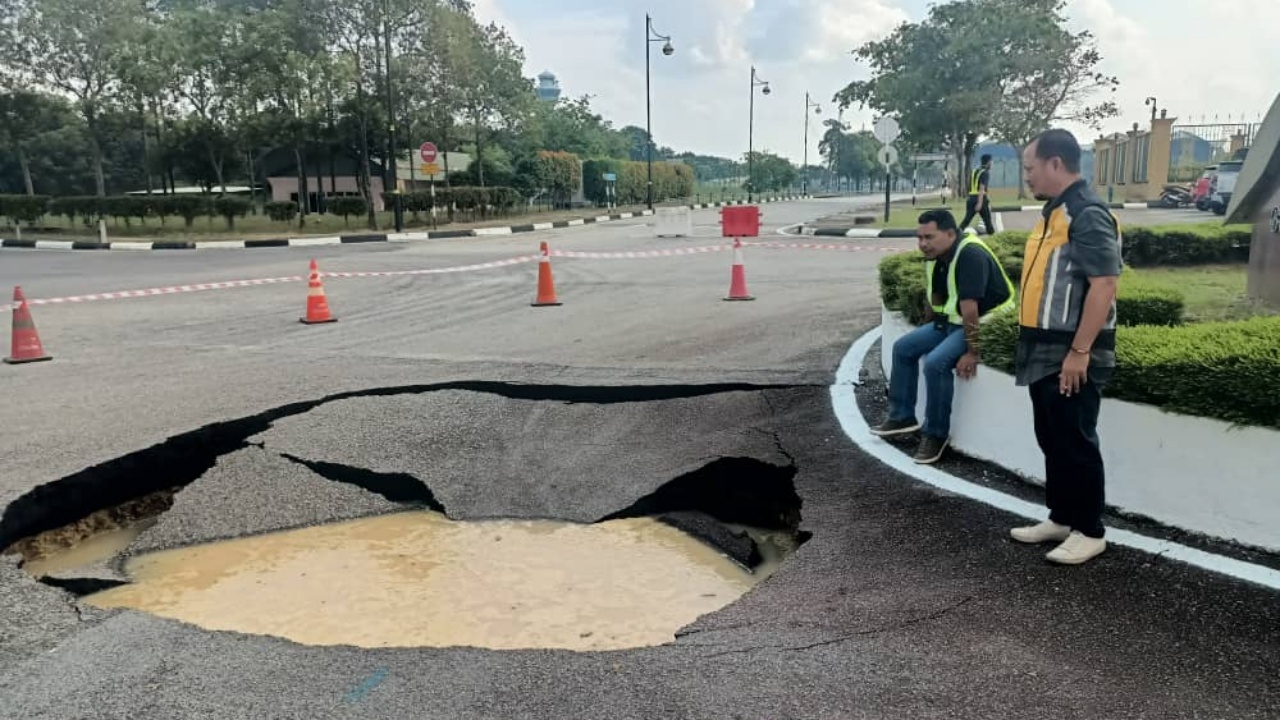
(428, 152)
(611, 177)
(886, 130)
(429, 168)
(930, 157)
(888, 155)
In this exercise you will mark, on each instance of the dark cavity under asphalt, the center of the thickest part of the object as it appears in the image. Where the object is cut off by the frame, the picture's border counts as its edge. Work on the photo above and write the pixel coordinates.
(902, 602)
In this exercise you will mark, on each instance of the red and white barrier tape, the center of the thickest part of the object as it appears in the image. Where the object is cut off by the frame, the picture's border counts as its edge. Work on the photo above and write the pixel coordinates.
(228, 284)
(627, 255)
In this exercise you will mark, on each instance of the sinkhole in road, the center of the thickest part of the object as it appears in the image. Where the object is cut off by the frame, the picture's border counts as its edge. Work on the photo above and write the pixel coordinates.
(418, 579)
(402, 571)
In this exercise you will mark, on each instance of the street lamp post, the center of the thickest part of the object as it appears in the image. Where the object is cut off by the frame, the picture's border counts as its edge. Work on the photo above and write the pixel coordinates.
(651, 36)
(751, 130)
(804, 169)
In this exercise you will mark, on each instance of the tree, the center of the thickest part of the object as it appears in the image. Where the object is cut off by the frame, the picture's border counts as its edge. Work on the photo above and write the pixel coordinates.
(77, 47)
(980, 67)
(769, 171)
(482, 65)
(25, 115)
(1052, 73)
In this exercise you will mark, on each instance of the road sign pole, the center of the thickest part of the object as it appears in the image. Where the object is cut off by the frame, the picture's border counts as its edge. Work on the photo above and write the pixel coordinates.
(887, 178)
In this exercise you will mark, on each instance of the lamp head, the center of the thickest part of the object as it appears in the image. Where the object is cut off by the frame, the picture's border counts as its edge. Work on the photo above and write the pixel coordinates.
(668, 49)
(766, 90)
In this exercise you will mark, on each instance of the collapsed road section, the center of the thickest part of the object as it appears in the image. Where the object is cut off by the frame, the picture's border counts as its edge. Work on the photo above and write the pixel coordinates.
(479, 514)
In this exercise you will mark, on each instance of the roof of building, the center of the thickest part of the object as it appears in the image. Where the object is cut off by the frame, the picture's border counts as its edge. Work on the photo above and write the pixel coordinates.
(1260, 175)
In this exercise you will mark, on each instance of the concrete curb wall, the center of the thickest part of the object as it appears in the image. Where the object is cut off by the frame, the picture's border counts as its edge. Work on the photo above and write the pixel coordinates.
(30, 244)
(1149, 205)
(1194, 473)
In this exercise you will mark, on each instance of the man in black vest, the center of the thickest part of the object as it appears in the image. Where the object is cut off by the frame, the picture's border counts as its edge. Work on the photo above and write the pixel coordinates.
(963, 283)
(979, 203)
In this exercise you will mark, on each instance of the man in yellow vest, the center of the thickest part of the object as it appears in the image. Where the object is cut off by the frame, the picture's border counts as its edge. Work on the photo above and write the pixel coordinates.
(964, 282)
(979, 200)
(1066, 343)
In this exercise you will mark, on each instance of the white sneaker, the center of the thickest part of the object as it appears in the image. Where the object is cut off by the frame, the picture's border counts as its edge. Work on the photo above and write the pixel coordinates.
(1077, 549)
(1044, 532)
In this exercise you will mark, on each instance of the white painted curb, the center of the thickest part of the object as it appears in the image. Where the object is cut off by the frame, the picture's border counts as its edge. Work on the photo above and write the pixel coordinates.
(845, 405)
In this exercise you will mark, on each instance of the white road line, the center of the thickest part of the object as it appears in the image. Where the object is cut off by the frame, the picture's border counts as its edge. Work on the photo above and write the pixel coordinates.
(845, 405)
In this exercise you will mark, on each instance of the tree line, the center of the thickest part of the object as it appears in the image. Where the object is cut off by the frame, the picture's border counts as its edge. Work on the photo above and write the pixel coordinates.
(102, 97)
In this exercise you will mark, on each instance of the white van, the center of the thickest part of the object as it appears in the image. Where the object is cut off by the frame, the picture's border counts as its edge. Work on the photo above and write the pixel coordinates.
(1223, 184)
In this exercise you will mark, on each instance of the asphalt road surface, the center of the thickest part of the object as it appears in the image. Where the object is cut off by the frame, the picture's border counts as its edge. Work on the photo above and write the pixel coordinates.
(905, 603)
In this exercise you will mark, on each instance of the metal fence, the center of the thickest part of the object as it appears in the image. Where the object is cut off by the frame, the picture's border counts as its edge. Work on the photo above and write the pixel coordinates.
(1195, 147)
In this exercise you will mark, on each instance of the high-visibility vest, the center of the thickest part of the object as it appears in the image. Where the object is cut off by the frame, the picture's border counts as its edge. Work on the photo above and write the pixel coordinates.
(951, 308)
(973, 181)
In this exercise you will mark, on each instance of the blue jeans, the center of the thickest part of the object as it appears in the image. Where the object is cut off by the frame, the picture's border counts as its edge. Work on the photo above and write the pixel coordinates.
(941, 350)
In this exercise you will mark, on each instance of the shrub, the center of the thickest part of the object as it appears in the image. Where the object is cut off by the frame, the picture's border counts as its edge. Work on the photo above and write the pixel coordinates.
(231, 207)
(348, 206)
(503, 199)
(281, 211)
(1202, 244)
(1139, 302)
(670, 180)
(86, 207)
(1171, 245)
(1225, 371)
(24, 208)
(187, 207)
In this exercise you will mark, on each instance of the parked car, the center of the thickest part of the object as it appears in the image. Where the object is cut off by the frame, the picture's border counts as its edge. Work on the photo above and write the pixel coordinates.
(1223, 184)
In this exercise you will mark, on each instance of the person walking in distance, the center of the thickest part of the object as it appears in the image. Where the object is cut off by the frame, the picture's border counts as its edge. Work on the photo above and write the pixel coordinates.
(963, 283)
(978, 202)
(1066, 343)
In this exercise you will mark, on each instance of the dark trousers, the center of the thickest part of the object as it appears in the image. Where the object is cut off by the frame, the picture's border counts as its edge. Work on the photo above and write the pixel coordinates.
(970, 209)
(1067, 431)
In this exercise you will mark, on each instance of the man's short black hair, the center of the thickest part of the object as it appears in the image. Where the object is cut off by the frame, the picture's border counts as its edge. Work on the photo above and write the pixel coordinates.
(985, 159)
(1060, 144)
(940, 217)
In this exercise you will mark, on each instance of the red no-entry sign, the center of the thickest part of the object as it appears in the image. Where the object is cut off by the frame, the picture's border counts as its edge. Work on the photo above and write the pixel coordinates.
(428, 151)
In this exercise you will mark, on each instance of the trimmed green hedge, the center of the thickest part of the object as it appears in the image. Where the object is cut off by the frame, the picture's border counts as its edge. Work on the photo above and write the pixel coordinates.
(501, 199)
(671, 180)
(23, 208)
(1228, 371)
(1140, 302)
(1186, 245)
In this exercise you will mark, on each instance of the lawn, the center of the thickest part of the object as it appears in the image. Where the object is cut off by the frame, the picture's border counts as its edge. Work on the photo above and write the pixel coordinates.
(1212, 292)
(260, 226)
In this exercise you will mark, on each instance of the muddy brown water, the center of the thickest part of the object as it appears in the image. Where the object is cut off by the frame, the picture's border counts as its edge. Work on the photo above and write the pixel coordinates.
(418, 579)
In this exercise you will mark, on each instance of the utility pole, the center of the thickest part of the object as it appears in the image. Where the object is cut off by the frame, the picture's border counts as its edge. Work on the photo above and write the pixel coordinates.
(804, 169)
(651, 36)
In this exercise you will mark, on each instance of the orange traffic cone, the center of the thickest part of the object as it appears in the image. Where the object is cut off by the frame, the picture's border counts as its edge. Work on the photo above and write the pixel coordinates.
(26, 341)
(738, 281)
(317, 303)
(546, 283)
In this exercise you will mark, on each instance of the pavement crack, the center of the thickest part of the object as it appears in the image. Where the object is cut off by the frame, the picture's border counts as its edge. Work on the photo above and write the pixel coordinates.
(894, 627)
(396, 487)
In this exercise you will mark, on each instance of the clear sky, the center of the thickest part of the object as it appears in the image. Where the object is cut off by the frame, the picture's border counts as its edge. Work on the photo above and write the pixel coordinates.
(1199, 58)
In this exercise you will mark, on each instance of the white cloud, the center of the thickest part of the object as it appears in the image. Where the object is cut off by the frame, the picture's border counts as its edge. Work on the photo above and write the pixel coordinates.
(839, 26)
(1198, 59)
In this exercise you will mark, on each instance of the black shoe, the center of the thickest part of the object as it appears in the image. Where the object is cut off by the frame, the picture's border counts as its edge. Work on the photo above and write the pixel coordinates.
(889, 428)
(931, 449)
